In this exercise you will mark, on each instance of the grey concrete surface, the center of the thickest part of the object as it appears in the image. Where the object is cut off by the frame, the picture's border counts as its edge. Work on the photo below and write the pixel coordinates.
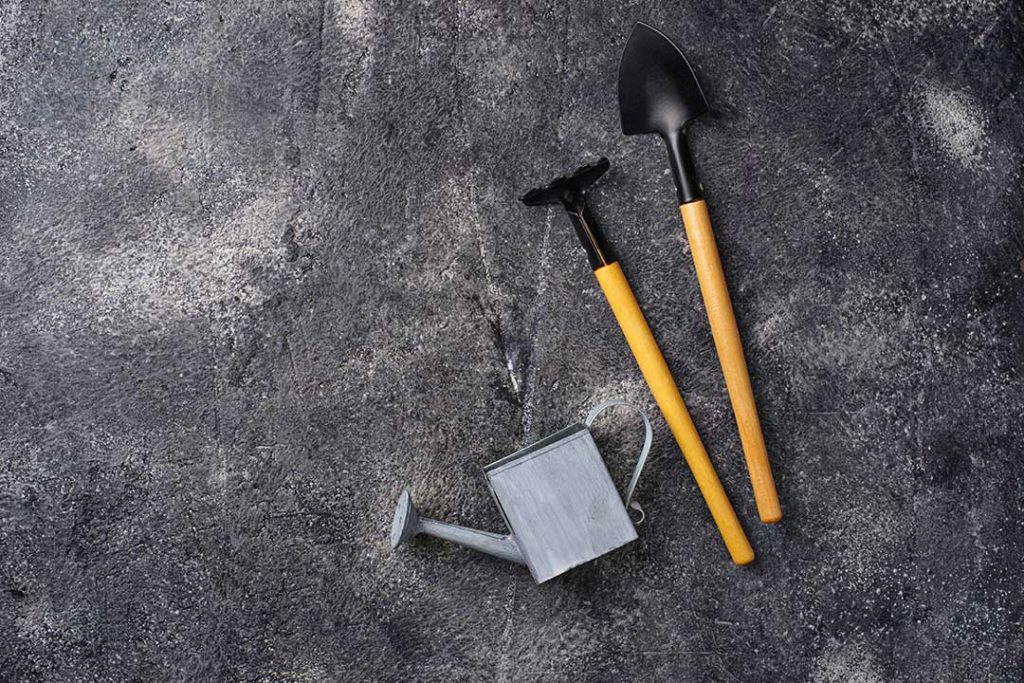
(263, 267)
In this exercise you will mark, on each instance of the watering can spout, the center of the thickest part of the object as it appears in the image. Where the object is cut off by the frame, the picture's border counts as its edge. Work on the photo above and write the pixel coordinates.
(408, 524)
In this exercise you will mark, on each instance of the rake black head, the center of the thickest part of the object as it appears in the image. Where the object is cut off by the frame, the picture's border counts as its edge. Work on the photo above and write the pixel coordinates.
(570, 191)
(567, 190)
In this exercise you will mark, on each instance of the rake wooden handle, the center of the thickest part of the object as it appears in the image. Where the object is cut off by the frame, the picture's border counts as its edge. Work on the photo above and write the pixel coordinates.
(730, 354)
(666, 394)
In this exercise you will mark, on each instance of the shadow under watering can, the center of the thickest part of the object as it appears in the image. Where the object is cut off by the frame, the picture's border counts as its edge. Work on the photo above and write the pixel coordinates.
(557, 498)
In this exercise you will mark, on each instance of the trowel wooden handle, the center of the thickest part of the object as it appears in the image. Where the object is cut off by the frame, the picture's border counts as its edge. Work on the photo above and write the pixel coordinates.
(666, 394)
(730, 354)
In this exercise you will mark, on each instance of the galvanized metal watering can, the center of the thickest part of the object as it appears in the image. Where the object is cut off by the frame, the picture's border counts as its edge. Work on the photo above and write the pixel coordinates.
(557, 498)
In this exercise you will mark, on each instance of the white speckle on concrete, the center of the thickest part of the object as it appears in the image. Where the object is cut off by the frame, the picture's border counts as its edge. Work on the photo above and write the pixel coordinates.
(955, 123)
(183, 275)
(512, 373)
(352, 15)
(846, 663)
(632, 389)
(353, 19)
(915, 17)
(182, 270)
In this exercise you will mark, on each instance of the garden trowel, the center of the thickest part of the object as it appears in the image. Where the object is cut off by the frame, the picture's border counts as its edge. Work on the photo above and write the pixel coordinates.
(658, 93)
(570, 192)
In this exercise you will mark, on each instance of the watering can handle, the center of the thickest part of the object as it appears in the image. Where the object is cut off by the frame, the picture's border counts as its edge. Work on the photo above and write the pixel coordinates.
(642, 460)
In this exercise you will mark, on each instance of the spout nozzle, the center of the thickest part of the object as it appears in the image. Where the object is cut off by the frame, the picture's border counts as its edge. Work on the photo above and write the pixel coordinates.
(407, 522)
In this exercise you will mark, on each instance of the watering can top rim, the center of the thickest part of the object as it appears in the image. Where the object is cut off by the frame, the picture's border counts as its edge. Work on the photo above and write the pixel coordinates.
(539, 447)
(569, 434)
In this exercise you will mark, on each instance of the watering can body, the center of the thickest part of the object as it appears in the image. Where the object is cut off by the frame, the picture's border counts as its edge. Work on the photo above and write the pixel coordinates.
(560, 503)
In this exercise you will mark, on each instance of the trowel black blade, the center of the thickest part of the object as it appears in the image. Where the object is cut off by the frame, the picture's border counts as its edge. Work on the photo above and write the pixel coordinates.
(658, 92)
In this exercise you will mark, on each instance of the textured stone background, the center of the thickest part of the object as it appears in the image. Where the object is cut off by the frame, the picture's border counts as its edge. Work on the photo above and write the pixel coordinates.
(263, 266)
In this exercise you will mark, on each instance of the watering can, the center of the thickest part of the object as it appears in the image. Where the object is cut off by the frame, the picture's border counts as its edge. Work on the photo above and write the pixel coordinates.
(557, 499)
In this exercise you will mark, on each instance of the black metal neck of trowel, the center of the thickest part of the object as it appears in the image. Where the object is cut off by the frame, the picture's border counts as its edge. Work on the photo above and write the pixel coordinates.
(684, 172)
(589, 234)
